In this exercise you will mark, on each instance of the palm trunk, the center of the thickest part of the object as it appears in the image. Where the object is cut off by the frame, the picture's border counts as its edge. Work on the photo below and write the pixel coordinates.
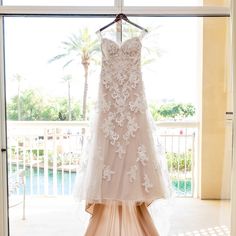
(18, 103)
(86, 65)
(69, 101)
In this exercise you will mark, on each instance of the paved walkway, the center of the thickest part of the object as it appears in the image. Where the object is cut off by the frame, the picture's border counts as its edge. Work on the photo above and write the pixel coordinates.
(61, 216)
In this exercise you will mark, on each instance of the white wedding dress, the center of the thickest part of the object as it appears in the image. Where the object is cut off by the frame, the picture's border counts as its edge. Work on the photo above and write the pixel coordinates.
(122, 170)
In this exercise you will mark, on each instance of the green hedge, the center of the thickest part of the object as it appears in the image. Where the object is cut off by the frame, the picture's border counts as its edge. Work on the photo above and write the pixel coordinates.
(181, 159)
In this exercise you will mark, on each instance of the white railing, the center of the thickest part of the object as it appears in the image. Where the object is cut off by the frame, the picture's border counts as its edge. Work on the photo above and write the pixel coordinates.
(49, 152)
(180, 143)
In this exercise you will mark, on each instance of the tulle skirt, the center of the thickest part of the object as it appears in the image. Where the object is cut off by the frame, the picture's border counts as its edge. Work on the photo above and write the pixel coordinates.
(124, 219)
(124, 210)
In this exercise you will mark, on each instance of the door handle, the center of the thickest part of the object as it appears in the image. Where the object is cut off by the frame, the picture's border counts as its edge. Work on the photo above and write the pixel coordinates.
(3, 149)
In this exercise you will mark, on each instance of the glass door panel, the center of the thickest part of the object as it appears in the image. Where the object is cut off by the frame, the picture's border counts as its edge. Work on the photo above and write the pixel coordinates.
(186, 78)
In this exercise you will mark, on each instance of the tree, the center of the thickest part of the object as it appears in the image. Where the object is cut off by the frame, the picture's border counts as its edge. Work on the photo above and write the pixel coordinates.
(187, 110)
(31, 106)
(38, 107)
(67, 79)
(57, 109)
(154, 111)
(49, 110)
(79, 46)
(172, 110)
(18, 78)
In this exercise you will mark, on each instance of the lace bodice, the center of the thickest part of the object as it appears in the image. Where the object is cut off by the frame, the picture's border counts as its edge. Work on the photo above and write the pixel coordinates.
(129, 50)
(121, 91)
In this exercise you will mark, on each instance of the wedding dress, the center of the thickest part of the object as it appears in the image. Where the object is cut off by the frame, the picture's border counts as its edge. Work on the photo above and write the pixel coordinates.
(122, 169)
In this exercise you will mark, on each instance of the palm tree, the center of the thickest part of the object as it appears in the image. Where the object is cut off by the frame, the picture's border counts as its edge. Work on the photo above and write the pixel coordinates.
(82, 47)
(67, 79)
(18, 78)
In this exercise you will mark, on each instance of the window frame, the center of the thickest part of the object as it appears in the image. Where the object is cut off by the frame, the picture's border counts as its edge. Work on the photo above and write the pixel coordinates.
(162, 11)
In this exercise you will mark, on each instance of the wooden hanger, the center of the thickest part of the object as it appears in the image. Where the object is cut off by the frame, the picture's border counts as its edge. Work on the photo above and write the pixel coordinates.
(119, 17)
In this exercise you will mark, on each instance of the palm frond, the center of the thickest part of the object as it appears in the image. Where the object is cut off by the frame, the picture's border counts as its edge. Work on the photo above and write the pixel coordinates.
(148, 61)
(80, 45)
(96, 61)
(67, 63)
(58, 57)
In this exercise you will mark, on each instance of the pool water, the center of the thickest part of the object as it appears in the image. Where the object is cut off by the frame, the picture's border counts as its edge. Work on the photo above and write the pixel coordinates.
(35, 182)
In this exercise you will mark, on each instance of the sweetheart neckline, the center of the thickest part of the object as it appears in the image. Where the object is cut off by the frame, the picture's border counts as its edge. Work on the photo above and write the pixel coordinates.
(120, 45)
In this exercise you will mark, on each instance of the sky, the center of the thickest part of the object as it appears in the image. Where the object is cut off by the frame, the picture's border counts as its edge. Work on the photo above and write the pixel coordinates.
(31, 42)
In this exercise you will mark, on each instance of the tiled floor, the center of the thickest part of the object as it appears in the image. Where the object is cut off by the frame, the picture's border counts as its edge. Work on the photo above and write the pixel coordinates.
(61, 216)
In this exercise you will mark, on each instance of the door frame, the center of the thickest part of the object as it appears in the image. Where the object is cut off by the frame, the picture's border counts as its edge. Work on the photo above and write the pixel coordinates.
(4, 227)
(233, 74)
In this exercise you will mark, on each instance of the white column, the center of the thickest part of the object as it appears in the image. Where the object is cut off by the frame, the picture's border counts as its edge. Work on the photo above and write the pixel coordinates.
(233, 184)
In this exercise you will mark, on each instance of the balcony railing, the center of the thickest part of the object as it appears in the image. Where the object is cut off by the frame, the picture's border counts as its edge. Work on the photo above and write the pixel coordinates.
(49, 152)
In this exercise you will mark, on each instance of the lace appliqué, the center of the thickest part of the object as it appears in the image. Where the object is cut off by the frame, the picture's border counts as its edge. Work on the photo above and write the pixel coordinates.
(134, 80)
(109, 128)
(99, 153)
(120, 149)
(142, 155)
(156, 165)
(107, 173)
(147, 183)
(139, 105)
(120, 76)
(132, 127)
(105, 105)
(132, 173)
